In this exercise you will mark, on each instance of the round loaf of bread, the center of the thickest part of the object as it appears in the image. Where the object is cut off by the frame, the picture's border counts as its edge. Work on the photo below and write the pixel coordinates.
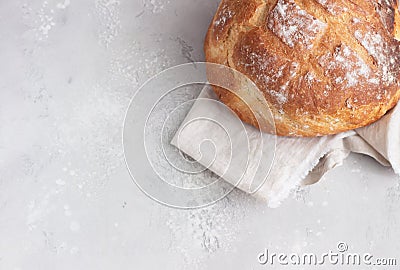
(323, 66)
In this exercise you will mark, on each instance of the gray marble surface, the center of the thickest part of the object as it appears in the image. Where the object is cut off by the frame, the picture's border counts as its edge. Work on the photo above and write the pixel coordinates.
(68, 71)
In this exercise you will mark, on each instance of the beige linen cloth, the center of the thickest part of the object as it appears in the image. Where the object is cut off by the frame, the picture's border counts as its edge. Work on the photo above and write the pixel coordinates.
(252, 164)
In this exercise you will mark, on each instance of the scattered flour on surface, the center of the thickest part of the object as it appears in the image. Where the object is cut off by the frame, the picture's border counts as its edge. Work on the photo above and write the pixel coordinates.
(156, 6)
(108, 17)
(64, 4)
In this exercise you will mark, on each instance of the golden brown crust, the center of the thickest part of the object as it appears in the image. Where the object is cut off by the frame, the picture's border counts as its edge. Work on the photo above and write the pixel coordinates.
(323, 66)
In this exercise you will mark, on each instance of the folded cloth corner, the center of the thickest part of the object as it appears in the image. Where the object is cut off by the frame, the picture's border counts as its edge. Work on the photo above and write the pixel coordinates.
(271, 167)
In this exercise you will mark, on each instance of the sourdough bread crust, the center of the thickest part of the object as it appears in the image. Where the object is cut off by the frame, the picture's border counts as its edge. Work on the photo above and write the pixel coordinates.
(323, 66)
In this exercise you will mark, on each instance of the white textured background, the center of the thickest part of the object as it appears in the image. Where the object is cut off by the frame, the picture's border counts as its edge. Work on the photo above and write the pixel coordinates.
(67, 72)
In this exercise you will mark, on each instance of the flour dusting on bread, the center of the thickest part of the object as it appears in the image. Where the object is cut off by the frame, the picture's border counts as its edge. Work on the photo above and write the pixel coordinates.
(293, 24)
(323, 66)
